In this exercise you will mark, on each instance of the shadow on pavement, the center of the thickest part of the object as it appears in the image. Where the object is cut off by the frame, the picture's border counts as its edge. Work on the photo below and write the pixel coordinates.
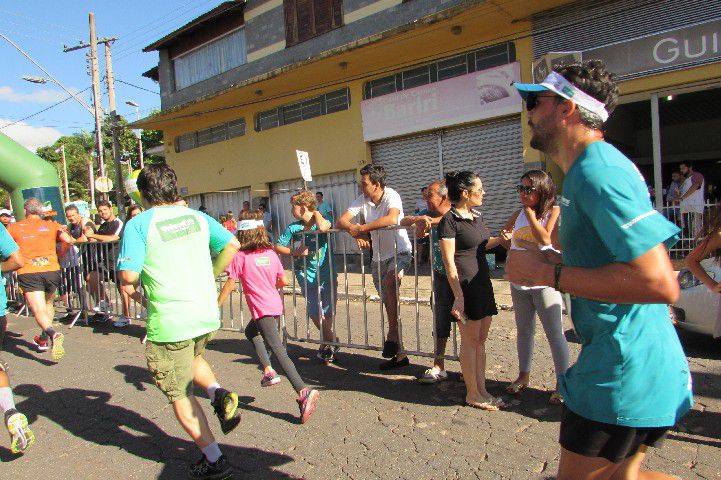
(88, 415)
(136, 376)
(356, 371)
(16, 345)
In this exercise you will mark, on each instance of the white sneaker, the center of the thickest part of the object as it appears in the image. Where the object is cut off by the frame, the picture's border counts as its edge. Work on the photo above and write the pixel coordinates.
(433, 375)
(101, 307)
(121, 322)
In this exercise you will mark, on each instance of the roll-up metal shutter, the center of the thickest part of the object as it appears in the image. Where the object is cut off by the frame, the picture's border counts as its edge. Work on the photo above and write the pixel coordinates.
(495, 151)
(410, 164)
(280, 193)
(219, 203)
(592, 23)
(339, 189)
(194, 201)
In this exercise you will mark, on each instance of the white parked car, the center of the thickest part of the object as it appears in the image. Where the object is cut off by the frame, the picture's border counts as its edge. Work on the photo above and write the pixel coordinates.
(698, 308)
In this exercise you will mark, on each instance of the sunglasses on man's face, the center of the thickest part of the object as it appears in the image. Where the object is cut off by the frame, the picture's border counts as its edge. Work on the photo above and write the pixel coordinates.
(524, 189)
(532, 100)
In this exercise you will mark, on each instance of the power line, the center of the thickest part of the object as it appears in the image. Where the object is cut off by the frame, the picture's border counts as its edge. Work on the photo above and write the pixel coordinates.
(133, 42)
(32, 19)
(136, 86)
(43, 110)
(131, 33)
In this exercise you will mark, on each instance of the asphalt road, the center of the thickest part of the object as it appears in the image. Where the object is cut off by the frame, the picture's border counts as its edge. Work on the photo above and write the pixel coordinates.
(97, 415)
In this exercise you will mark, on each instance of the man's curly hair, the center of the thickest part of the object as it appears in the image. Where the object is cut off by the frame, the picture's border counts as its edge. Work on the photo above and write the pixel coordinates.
(592, 78)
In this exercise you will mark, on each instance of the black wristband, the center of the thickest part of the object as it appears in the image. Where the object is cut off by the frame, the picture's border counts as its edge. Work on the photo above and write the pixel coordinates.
(557, 276)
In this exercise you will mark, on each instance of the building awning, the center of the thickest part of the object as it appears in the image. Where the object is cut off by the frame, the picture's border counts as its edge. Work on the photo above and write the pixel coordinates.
(195, 24)
(152, 74)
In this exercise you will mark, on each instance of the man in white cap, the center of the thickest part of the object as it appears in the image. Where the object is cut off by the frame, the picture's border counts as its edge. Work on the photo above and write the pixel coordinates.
(6, 217)
(631, 381)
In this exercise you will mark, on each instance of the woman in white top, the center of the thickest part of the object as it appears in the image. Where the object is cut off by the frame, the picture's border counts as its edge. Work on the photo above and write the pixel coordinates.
(534, 225)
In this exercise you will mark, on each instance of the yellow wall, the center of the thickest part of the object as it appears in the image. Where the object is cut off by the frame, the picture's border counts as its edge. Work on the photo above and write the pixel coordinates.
(333, 141)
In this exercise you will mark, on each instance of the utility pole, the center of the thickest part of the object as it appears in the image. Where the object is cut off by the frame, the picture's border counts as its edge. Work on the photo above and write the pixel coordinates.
(115, 125)
(97, 98)
(65, 173)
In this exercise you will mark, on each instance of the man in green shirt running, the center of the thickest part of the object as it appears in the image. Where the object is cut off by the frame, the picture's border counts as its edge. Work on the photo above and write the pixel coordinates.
(183, 314)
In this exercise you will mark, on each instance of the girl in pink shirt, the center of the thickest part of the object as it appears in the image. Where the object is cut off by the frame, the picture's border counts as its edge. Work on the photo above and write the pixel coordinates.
(261, 274)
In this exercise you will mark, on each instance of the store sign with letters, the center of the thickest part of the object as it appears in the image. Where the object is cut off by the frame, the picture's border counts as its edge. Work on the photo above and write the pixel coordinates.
(468, 98)
(694, 44)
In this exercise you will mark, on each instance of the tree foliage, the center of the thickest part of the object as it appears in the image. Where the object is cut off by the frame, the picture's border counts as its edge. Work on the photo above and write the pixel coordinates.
(79, 154)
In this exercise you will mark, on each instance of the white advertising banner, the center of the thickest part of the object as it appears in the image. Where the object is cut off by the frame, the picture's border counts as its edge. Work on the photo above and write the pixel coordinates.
(468, 98)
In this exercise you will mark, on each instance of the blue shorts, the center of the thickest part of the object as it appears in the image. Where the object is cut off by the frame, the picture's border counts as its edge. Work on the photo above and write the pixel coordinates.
(328, 297)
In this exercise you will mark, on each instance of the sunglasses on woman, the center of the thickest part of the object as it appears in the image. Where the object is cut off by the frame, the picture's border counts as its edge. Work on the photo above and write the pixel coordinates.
(524, 189)
(532, 100)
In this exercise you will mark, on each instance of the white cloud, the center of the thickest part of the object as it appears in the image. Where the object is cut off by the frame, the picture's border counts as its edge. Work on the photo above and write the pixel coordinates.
(28, 136)
(45, 95)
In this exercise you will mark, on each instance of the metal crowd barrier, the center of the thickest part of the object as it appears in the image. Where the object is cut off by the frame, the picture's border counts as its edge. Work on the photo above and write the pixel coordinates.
(415, 314)
(690, 224)
(91, 291)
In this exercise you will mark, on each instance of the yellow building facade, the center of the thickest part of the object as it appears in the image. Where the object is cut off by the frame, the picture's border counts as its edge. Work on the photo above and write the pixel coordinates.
(261, 162)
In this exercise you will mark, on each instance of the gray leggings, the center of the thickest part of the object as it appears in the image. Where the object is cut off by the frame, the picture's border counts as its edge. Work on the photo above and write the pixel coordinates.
(546, 302)
(266, 328)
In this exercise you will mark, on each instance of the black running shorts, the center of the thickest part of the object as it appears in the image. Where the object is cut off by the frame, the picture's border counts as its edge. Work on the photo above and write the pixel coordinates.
(47, 282)
(615, 443)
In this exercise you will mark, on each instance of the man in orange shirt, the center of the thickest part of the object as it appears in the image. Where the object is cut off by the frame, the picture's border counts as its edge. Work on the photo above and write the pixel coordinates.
(40, 277)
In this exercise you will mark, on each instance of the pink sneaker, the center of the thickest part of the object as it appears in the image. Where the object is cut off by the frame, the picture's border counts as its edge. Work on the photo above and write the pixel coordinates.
(269, 379)
(306, 402)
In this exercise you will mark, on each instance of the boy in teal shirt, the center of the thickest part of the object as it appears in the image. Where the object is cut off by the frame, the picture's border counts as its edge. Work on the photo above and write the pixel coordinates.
(313, 266)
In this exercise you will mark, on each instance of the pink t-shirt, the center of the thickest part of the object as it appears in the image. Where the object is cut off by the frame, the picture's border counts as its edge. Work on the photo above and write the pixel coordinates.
(258, 272)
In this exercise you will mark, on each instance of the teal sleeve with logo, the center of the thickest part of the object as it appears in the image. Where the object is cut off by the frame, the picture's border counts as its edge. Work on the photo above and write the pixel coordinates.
(133, 243)
(219, 235)
(618, 206)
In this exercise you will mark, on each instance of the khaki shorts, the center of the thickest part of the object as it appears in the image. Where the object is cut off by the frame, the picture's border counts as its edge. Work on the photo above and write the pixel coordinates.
(172, 364)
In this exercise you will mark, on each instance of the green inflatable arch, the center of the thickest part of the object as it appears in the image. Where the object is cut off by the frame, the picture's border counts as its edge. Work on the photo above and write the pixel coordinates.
(25, 175)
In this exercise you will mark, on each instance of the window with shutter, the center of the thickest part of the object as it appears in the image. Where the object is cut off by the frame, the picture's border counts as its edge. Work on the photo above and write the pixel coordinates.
(305, 19)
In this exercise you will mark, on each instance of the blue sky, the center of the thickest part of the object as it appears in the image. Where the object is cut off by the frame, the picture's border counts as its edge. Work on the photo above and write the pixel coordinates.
(41, 27)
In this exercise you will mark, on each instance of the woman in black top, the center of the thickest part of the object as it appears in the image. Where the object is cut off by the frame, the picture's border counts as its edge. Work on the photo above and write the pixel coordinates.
(464, 241)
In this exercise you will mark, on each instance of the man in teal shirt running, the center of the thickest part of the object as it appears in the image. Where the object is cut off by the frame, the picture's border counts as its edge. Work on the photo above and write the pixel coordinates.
(168, 248)
(631, 382)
